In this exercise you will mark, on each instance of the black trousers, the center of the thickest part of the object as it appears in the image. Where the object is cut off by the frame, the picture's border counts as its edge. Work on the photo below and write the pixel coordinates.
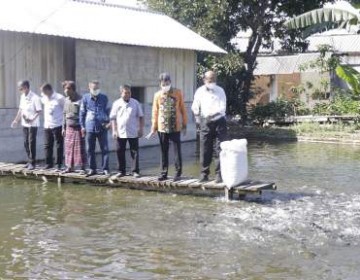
(211, 134)
(165, 139)
(134, 152)
(53, 135)
(30, 134)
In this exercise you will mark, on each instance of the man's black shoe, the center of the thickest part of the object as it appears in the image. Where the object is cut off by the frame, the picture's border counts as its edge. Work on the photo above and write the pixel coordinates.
(67, 170)
(177, 178)
(48, 166)
(204, 178)
(162, 178)
(218, 179)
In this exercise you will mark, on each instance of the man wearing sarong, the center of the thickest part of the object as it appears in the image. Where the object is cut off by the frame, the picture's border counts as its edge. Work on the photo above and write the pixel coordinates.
(75, 152)
(127, 121)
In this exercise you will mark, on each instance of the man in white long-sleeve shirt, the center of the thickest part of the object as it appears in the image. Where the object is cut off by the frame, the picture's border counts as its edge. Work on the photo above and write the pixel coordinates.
(53, 120)
(209, 107)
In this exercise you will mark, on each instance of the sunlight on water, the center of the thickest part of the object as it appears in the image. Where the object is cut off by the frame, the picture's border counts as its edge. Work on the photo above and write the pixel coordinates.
(308, 229)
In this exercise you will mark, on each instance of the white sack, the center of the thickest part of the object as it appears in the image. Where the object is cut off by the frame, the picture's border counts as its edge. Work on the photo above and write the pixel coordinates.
(234, 162)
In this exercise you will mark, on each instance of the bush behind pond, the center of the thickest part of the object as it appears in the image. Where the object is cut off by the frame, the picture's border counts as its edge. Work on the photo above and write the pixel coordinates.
(281, 108)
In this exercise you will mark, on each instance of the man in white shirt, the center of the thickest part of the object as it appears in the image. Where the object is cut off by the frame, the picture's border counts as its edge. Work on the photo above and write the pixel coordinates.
(28, 113)
(127, 122)
(209, 108)
(53, 120)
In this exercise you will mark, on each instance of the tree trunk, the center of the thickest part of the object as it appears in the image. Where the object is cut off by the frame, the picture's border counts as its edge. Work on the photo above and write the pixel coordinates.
(250, 59)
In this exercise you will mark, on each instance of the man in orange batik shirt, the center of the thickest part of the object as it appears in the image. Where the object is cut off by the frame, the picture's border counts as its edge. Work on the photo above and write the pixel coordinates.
(169, 118)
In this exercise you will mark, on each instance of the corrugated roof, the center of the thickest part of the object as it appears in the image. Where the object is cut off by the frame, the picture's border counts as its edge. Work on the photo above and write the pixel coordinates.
(340, 43)
(287, 64)
(339, 39)
(100, 22)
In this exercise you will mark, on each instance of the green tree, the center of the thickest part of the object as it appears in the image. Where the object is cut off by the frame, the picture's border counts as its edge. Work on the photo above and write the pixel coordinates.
(351, 76)
(221, 20)
(325, 65)
(322, 19)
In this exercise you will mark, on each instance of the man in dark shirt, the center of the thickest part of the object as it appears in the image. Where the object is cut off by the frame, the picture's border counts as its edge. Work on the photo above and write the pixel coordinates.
(95, 122)
(75, 154)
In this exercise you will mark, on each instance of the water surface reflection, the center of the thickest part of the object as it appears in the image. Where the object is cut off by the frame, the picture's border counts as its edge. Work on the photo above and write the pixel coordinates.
(308, 229)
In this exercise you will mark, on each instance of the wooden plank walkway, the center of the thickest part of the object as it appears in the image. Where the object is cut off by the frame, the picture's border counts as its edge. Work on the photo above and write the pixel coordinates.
(150, 183)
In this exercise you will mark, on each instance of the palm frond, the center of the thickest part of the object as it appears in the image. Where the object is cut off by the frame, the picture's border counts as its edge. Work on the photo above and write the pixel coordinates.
(321, 16)
(321, 27)
(351, 76)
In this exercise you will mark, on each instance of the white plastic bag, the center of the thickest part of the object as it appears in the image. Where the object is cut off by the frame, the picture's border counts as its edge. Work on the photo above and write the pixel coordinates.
(234, 162)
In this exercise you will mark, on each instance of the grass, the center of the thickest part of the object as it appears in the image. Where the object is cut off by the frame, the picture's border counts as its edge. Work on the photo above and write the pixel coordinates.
(340, 131)
(313, 129)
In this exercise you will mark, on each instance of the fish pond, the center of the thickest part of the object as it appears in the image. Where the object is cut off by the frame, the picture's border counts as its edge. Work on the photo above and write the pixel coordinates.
(308, 229)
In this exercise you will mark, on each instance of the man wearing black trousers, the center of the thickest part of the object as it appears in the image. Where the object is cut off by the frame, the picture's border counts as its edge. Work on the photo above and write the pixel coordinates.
(53, 120)
(209, 107)
(127, 122)
(28, 114)
(169, 118)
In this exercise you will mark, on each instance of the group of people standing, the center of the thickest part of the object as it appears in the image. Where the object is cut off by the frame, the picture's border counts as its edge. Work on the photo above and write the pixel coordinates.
(73, 123)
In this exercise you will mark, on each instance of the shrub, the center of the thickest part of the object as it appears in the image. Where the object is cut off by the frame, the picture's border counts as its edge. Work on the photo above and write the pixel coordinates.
(277, 110)
(340, 105)
(321, 108)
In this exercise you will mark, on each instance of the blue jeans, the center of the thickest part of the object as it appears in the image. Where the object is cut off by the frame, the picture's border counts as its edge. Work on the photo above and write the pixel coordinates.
(102, 138)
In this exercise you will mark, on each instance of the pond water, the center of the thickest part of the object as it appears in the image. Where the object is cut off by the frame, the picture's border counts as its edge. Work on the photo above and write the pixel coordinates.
(308, 229)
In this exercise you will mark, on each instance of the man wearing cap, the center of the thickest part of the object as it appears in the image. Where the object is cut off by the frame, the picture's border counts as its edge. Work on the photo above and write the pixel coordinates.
(209, 108)
(169, 118)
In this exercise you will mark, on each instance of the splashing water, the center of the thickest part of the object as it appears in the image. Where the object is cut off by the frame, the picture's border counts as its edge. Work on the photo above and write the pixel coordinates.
(308, 229)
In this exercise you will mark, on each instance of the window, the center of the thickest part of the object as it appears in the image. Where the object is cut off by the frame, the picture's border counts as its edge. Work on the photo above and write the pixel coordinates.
(138, 93)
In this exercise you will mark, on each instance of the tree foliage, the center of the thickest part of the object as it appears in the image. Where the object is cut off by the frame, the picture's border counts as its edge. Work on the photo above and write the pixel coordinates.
(326, 62)
(326, 18)
(213, 19)
(351, 76)
(342, 104)
(221, 20)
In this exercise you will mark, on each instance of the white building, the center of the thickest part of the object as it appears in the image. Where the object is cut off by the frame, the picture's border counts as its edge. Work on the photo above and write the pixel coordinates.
(57, 40)
(277, 73)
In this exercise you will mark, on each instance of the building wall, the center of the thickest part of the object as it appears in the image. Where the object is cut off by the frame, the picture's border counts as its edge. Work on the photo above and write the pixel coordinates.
(285, 82)
(268, 88)
(114, 65)
(315, 79)
(138, 66)
(33, 57)
(51, 59)
(181, 64)
(38, 59)
(12, 147)
(261, 89)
